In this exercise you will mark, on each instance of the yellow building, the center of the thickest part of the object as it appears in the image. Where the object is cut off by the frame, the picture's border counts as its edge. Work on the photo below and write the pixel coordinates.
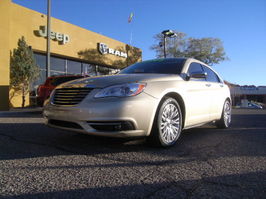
(74, 50)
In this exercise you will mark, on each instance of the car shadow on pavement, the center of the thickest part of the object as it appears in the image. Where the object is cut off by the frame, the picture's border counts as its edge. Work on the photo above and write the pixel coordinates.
(225, 186)
(28, 140)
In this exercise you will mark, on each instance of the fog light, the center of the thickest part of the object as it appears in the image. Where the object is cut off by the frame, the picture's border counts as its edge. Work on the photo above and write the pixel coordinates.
(112, 126)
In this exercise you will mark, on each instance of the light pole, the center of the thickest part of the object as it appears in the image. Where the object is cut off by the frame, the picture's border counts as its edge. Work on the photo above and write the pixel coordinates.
(167, 33)
(48, 38)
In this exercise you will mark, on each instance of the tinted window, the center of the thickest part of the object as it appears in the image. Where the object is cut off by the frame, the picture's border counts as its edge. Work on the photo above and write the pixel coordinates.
(194, 68)
(211, 76)
(162, 66)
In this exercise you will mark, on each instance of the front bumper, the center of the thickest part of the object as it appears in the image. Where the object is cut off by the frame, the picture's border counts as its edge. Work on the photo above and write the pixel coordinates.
(138, 111)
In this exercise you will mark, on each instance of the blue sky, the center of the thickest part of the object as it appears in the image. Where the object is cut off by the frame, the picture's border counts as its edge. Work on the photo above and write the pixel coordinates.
(240, 24)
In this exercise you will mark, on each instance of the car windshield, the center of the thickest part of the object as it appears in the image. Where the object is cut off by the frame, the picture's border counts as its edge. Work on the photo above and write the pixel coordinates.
(162, 66)
(60, 80)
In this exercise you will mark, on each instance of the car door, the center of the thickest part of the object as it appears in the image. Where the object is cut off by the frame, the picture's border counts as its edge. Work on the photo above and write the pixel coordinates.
(216, 94)
(197, 97)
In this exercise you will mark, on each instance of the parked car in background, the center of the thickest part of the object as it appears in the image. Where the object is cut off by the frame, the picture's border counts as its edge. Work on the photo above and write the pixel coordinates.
(156, 98)
(253, 105)
(250, 104)
(44, 90)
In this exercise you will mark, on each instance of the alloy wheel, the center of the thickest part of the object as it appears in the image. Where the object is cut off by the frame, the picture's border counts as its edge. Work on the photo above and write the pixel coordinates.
(170, 123)
(227, 114)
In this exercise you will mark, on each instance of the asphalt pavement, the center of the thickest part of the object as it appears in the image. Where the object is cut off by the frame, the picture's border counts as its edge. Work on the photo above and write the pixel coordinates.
(41, 162)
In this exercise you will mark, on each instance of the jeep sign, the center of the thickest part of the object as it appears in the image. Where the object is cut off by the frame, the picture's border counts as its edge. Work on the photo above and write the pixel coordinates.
(61, 38)
(104, 49)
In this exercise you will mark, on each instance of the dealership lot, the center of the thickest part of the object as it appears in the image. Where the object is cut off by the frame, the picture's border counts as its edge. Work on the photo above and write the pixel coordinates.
(40, 162)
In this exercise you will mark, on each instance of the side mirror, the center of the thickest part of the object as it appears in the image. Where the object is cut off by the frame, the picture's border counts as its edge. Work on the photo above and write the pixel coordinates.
(197, 75)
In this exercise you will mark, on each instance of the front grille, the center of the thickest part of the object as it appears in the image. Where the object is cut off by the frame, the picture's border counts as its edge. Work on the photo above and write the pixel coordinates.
(70, 96)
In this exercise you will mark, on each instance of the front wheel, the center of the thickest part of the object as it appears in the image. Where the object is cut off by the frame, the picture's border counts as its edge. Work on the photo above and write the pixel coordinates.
(225, 120)
(167, 123)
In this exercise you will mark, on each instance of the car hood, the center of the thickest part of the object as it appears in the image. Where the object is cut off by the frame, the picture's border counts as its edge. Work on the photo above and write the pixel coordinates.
(109, 80)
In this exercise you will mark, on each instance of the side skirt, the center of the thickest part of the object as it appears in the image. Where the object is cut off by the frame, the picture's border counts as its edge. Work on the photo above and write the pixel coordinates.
(197, 125)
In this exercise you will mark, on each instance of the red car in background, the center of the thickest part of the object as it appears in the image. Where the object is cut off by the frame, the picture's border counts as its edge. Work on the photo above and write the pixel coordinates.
(44, 90)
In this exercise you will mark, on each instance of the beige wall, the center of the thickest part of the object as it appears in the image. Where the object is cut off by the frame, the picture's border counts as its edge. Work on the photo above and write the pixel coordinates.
(4, 53)
(17, 21)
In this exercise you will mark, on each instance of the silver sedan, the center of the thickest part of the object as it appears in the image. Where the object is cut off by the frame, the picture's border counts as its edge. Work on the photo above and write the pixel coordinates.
(156, 98)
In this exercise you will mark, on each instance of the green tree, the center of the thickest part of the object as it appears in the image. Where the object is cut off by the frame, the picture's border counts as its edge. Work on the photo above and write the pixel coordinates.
(23, 69)
(207, 50)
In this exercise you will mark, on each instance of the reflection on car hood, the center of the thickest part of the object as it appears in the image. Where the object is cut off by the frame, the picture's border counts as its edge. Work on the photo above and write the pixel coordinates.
(109, 80)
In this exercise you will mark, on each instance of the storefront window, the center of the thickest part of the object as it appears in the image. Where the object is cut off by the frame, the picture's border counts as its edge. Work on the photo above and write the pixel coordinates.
(58, 65)
(88, 69)
(40, 60)
(63, 66)
(42, 77)
(56, 73)
(101, 70)
(73, 67)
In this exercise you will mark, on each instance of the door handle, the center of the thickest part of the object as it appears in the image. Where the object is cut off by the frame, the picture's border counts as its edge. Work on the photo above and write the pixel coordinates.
(208, 85)
(221, 85)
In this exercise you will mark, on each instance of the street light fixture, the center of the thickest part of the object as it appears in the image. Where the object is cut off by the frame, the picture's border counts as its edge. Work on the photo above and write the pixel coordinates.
(167, 33)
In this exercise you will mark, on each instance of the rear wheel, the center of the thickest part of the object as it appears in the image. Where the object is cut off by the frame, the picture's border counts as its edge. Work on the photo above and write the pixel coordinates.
(225, 120)
(167, 123)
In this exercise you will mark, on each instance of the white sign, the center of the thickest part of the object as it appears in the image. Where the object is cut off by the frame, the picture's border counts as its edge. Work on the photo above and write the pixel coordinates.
(61, 38)
(104, 49)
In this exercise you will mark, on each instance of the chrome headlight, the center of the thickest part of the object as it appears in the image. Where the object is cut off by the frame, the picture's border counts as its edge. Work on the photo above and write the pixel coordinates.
(122, 90)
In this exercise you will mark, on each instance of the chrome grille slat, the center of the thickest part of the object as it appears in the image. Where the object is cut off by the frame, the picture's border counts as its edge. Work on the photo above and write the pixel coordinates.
(71, 92)
(69, 100)
(70, 96)
(64, 97)
(78, 95)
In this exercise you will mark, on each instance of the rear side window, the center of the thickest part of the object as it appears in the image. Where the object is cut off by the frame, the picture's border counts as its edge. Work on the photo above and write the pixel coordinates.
(211, 76)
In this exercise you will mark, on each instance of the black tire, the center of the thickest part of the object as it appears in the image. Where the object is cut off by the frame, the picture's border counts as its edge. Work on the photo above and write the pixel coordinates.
(167, 125)
(225, 120)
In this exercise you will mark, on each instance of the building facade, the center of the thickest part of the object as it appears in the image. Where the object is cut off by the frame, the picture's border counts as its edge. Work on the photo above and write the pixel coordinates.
(74, 50)
(248, 93)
